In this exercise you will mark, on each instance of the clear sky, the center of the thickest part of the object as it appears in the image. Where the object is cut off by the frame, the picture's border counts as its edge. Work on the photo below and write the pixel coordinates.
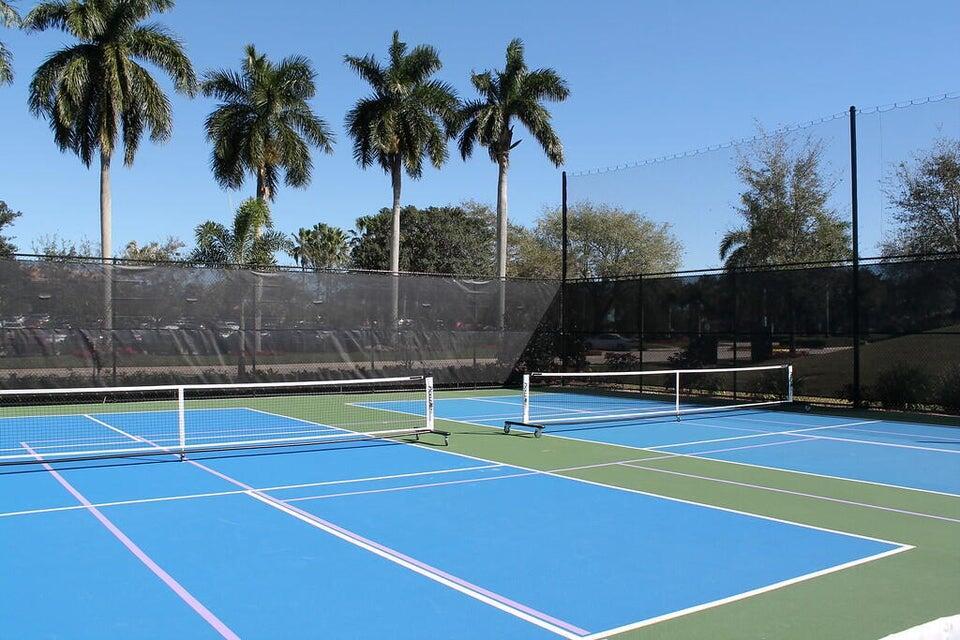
(647, 79)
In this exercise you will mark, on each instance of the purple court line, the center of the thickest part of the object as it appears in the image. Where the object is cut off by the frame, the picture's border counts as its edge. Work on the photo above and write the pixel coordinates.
(140, 554)
(397, 554)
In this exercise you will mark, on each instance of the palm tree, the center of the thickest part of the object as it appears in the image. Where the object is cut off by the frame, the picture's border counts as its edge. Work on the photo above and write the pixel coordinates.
(407, 117)
(96, 90)
(263, 124)
(322, 246)
(8, 18)
(250, 242)
(514, 92)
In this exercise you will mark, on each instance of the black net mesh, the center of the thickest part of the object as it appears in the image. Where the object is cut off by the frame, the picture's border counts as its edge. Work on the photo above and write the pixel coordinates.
(76, 324)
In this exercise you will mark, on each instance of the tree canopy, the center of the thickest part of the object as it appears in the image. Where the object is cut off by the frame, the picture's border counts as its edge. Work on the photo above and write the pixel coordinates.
(604, 241)
(785, 207)
(925, 195)
(321, 246)
(251, 241)
(7, 218)
(8, 18)
(264, 125)
(159, 251)
(449, 239)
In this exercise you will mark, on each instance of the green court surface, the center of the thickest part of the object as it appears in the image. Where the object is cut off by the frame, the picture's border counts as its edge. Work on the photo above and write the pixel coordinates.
(867, 601)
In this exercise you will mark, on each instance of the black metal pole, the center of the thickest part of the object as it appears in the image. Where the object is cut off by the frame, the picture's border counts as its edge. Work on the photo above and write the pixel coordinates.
(563, 271)
(854, 228)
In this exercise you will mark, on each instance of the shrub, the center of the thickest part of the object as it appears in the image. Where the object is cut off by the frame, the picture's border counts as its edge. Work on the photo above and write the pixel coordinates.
(948, 389)
(904, 387)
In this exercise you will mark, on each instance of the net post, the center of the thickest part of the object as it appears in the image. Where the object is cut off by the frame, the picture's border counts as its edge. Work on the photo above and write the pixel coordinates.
(525, 418)
(676, 391)
(431, 405)
(789, 383)
(182, 422)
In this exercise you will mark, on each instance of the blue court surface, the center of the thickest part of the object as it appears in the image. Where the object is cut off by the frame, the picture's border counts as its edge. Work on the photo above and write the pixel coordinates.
(903, 454)
(382, 540)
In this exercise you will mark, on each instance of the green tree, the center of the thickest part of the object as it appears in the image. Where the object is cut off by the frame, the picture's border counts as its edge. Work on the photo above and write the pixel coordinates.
(250, 242)
(409, 116)
(8, 18)
(926, 197)
(515, 92)
(96, 90)
(320, 247)
(604, 241)
(785, 207)
(165, 251)
(7, 218)
(264, 125)
(53, 246)
(450, 239)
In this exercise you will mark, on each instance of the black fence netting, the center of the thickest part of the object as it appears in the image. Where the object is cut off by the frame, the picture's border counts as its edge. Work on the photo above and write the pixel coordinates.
(75, 323)
(909, 331)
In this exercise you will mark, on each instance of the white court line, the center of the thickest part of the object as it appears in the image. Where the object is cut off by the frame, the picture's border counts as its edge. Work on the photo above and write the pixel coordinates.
(760, 434)
(408, 487)
(283, 487)
(639, 464)
(719, 460)
(899, 549)
(879, 431)
(516, 609)
(741, 596)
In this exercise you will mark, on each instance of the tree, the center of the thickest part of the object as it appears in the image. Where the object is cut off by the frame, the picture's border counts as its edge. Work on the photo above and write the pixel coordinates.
(264, 125)
(926, 195)
(165, 251)
(604, 241)
(7, 217)
(96, 90)
(250, 242)
(450, 239)
(53, 246)
(785, 207)
(8, 18)
(321, 247)
(409, 116)
(515, 92)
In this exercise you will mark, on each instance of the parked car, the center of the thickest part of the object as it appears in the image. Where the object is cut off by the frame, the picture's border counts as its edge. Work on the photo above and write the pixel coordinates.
(608, 342)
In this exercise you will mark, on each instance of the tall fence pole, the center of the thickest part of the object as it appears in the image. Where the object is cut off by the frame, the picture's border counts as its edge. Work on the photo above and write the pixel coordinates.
(563, 271)
(854, 227)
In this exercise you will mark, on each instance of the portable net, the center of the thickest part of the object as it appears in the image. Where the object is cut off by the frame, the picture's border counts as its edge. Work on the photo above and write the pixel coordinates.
(68, 424)
(555, 399)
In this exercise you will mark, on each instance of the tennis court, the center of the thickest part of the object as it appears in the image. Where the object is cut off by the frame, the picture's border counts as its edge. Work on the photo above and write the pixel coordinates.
(336, 510)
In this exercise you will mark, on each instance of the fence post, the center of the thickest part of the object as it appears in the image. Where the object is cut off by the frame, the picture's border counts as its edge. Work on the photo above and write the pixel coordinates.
(854, 228)
(563, 271)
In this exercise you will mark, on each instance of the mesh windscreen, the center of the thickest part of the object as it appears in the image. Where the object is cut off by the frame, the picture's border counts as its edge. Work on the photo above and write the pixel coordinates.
(78, 324)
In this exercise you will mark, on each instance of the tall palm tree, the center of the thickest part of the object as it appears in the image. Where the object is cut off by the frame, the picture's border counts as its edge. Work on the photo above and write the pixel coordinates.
(8, 18)
(514, 92)
(409, 116)
(322, 246)
(264, 125)
(96, 90)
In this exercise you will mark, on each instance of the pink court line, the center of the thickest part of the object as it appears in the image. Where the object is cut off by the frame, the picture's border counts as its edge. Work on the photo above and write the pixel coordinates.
(140, 554)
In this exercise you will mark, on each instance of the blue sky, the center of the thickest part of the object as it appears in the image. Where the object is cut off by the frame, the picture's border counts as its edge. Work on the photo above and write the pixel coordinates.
(647, 79)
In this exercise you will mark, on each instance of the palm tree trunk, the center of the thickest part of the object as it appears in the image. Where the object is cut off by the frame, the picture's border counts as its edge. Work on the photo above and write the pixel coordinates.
(395, 176)
(106, 250)
(263, 195)
(503, 166)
